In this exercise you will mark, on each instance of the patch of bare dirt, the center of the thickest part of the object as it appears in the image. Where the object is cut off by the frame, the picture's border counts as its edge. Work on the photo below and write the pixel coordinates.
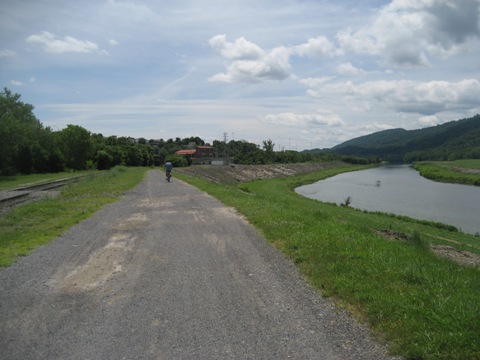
(391, 234)
(234, 174)
(459, 256)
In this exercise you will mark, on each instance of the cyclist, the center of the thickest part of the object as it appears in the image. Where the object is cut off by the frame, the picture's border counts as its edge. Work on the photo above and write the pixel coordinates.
(168, 170)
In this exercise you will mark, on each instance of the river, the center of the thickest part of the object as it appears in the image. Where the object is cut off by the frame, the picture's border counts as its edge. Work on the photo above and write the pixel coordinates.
(399, 189)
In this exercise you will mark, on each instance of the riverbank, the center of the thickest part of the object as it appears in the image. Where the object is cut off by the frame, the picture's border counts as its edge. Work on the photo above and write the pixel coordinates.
(382, 268)
(400, 190)
(460, 171)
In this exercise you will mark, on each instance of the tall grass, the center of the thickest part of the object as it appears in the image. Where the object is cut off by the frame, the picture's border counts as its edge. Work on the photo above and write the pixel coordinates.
(425, 307)
(25, 227)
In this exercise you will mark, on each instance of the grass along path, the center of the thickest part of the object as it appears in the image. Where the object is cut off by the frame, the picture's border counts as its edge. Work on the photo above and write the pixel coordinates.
(25, 227)
(9, 182)
(424, 306)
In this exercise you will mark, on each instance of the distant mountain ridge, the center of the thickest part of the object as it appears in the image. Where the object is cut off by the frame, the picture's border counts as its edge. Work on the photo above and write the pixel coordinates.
(453, 140)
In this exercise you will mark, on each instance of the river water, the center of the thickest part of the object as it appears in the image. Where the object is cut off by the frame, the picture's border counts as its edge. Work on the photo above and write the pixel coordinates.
(399, 189)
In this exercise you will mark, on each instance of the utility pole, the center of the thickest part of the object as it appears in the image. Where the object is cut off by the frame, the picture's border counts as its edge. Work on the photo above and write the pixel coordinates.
(225, 154)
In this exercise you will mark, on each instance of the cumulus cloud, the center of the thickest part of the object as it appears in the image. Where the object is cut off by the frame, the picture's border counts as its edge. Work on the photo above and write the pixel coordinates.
(247, 62)
(240, 49)
(319, 47)
(55, 45)
(407, 32)
(347, 69)
(426, 98)
(321, 118)
(16, 83)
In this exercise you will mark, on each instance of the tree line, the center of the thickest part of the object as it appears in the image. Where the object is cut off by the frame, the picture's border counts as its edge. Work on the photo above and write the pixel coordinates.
(26, 146)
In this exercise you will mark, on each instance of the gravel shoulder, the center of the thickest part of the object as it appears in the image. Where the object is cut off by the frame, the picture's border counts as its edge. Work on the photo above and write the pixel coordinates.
(168, 272)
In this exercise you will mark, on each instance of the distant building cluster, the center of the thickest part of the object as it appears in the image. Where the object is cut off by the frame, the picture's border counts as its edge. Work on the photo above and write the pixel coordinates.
(202, 155)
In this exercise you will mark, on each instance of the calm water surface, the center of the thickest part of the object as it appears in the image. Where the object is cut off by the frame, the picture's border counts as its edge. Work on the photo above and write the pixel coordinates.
(401, 190)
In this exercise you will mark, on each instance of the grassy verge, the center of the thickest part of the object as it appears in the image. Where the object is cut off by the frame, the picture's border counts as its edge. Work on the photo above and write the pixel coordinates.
(8, 182)
(425, 307)
(24, 228)
(459, 171)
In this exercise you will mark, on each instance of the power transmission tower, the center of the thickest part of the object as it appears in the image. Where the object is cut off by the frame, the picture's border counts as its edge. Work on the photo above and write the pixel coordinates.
(225, 152)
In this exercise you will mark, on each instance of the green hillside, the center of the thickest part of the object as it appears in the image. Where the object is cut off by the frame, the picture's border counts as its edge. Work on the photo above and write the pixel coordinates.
(450, 141)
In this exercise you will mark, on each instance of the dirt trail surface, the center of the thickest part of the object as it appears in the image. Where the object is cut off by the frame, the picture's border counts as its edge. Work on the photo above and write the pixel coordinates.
(168, 273)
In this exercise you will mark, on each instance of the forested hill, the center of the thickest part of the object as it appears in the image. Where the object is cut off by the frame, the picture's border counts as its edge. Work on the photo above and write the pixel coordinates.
(450, 141)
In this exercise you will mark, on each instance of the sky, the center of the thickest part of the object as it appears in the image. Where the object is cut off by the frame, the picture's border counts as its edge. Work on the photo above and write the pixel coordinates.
(302, 73)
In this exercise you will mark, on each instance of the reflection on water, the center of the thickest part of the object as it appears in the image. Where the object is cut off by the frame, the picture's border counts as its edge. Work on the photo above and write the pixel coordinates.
(399, 189)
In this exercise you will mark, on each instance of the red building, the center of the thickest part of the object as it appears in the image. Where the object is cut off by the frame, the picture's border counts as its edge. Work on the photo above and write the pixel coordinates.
(199, 155)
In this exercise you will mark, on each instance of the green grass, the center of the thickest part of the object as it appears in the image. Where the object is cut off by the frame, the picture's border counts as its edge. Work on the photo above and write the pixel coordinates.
(467, 163)
(425, 307)
(25, 227)
(8, 182)
(459, 171)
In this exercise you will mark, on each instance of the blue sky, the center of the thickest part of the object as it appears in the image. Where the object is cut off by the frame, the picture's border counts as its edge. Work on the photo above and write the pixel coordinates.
(304, 73)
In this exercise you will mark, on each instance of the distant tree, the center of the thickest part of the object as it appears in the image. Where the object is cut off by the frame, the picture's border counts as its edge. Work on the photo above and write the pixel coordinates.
(104, 160)
(23, 139)
(177, 160)
(268, 146)
(74, 142)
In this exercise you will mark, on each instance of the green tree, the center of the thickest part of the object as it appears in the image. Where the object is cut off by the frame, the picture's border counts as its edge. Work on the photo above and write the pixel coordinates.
(268, 146)
(22, 136)
(177, 160)
(74, 142)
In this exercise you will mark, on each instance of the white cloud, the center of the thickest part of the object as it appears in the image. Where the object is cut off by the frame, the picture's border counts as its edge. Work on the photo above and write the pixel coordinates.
(7, 53)
(406, 32)
(241, 49)
(429, 120)
(315, 82)
(321, 118)
(416, 97)
(113, 42)
(247, 62)
(16, 83)
(319, 47)
(347, 69)
(57, 46)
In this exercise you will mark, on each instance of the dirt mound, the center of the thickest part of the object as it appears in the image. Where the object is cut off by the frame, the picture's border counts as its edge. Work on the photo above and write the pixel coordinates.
(234, 174)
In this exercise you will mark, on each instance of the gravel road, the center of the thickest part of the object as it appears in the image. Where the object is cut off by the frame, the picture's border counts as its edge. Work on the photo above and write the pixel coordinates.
(168, 272)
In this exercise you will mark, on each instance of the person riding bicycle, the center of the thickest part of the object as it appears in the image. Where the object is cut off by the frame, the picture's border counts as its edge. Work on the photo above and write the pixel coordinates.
(168, 169)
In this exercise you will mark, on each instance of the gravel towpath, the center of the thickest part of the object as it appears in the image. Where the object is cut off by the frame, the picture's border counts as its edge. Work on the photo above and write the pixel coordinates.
(168, 272)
